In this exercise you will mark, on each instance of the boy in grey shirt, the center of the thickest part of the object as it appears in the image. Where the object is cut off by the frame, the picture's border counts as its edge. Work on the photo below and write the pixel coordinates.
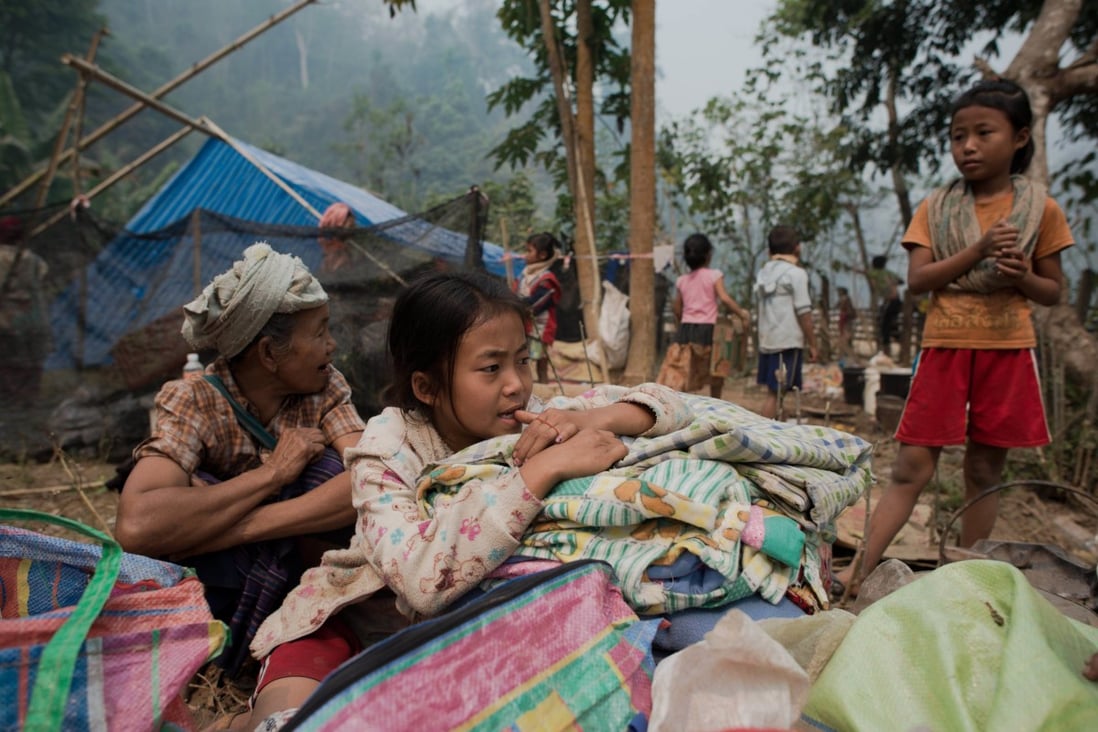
(785, 317)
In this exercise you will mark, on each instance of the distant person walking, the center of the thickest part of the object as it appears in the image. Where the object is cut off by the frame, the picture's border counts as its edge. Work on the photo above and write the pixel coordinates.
(886, 289)
(984, 245)
(689, 363)
(848, 314)
(785, 318)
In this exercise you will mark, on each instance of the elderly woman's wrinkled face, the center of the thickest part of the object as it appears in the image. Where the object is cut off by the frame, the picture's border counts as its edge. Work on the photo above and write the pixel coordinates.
(304, 368)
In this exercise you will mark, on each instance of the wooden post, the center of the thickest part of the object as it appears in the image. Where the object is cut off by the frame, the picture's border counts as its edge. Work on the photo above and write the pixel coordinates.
(506, 242)
(190, 73)
(76, 104)
(81, 319)
(131, 91)
(196, 237)
(474, 251)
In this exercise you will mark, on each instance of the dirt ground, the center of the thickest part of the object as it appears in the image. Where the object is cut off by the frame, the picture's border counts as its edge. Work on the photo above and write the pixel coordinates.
(75, 489)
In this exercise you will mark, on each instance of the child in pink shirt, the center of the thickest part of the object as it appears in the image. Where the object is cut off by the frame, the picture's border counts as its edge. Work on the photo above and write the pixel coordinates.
(688, 365)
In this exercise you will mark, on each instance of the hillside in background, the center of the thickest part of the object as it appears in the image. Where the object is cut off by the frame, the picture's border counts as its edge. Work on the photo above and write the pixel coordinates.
(393, 104)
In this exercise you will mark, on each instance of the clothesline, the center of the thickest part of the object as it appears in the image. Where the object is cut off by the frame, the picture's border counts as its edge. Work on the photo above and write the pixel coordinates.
(568, 257)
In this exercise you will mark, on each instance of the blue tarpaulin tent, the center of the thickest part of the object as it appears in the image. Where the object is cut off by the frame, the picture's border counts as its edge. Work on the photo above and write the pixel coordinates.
(152, 267)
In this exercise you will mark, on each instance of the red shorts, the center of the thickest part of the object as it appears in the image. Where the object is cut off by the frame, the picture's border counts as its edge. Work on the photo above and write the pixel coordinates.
(992, 397)
(312, 657)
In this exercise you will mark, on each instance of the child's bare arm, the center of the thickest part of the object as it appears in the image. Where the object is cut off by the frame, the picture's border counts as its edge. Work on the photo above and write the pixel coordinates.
(1041, 284)
(731, 303)
(805, 321)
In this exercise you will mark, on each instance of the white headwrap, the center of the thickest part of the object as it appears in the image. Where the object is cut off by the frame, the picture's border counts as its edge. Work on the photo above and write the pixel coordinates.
(233, 308)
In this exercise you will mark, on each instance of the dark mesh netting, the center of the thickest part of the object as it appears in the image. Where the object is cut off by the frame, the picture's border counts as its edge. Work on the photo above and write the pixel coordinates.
(91, 313)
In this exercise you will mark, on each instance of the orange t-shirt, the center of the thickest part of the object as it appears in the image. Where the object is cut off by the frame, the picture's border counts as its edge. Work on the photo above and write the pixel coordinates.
(996, 320)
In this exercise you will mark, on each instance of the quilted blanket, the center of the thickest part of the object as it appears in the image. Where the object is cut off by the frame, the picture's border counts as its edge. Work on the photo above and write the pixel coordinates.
(732, 505)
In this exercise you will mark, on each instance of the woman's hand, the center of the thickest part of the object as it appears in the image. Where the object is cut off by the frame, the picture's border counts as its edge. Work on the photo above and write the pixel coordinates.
(296, 448)
(589, 451)
(551, 427)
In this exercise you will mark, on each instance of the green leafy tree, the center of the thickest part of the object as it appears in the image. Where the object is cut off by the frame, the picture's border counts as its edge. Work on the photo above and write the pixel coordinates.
(34, 85)
(572, 43)
(907, 54)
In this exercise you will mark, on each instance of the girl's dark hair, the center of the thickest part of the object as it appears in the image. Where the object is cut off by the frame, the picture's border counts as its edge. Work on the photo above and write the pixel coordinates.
(544, 243)
(696, 250)
(1011, 100)
(430, 318)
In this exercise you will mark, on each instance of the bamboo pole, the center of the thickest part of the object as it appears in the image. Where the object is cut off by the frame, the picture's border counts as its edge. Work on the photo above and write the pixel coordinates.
(76, 103)
(129, 90)
(116, 176)
(80, 103)
(190, 73)
(48, 489)
(508, 267)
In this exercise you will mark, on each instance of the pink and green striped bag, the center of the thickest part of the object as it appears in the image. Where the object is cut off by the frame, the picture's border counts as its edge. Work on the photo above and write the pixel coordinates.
(557, 650)
(92, 637)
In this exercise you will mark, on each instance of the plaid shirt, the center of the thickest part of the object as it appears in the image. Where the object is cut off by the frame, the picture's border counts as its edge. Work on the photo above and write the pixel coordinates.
(196, 426)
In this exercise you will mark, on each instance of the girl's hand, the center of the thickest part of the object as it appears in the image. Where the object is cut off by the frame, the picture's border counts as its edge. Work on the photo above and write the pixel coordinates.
(592, 451)
(551, 427)
(999, 238)
(1011, 264)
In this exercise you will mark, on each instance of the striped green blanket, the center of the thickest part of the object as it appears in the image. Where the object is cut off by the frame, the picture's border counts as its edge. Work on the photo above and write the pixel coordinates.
(752, 500)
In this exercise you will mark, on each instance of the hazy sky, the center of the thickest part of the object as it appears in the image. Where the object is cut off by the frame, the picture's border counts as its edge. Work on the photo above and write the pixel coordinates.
(703, 48)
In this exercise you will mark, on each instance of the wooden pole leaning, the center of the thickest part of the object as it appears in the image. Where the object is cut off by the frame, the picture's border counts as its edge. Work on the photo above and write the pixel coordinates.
(163, 90)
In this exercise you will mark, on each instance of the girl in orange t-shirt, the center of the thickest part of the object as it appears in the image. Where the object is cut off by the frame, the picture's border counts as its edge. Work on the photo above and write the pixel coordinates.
(984, 246)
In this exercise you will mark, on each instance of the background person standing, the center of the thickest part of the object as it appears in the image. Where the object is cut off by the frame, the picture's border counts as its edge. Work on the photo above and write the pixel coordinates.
(785, 317)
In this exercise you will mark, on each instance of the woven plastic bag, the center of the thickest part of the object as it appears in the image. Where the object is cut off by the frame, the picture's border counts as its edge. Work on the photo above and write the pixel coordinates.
(556, 650)
(95, 638)
(969, 646)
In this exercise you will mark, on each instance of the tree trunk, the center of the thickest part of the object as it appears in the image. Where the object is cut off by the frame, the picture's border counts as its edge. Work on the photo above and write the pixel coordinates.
(899, 184)
(585, 164)
(586, 262)
(1036, 68)
(823, 333)
(1085, 294)
(640, 365)
(863, 251)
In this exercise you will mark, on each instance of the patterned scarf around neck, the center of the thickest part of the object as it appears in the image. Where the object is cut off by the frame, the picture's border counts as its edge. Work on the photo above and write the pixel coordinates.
(951, 215)
(534, 270)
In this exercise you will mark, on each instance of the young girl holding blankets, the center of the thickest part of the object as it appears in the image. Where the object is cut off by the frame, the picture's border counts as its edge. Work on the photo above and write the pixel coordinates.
(460, 365)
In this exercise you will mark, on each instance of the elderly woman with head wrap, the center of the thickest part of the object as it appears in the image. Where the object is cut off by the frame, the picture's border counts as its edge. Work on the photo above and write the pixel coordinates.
(205, 491)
